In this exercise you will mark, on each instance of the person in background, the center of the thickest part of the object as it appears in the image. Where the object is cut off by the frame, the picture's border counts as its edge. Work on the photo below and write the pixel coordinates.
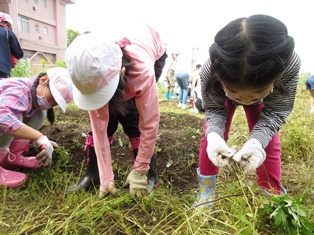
(310, 87)
(129, 123)
(106, 74)
(196, 90)
(170, 94)
(10, 48)
(182, 78)
(252, 63)
(24, 104)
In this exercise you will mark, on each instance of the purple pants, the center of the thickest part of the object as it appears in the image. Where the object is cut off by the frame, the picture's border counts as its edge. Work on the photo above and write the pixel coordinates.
(269, 173)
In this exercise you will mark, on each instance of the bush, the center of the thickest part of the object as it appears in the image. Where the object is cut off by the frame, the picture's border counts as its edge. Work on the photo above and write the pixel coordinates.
(23, 68)
(61, 63)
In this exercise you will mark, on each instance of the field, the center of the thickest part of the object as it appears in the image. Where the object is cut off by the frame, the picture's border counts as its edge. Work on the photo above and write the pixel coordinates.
(43, 205)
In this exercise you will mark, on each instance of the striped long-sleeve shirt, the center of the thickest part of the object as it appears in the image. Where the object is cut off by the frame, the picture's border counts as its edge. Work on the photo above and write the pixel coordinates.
(272, 117)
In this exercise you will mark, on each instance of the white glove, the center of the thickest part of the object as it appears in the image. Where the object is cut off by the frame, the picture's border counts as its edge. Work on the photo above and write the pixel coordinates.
(218, 151)
(138, 183)
(251, 156)
(54, 144)
(45, 155)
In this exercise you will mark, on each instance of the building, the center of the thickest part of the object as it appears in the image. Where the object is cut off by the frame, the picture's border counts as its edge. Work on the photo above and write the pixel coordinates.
(40, 26)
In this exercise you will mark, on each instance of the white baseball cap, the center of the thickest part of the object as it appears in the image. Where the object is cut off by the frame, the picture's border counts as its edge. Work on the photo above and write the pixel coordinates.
(60, 85)
(94, 65)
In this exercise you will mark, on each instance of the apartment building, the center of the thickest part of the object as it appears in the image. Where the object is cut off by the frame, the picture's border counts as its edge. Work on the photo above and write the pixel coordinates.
(40, 26)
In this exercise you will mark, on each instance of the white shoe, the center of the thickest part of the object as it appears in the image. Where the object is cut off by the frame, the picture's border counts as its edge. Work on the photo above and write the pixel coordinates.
(179, 105)
(184, 106)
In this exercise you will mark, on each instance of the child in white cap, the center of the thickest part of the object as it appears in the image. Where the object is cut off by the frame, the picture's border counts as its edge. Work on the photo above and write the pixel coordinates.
(24, 104)
(102, 77)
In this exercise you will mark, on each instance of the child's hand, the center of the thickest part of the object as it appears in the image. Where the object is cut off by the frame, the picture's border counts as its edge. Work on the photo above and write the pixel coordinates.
(218, 151)
(138, 183)
(45, 155)
(251, 156)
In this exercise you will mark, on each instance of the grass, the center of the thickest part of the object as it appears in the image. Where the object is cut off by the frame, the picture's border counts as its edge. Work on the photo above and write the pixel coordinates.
(42, 205)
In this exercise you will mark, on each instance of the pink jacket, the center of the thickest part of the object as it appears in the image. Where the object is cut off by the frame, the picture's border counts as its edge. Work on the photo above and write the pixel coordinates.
(146, 47)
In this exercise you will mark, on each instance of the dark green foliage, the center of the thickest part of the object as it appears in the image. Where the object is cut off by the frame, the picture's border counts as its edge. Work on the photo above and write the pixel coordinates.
(287, 216)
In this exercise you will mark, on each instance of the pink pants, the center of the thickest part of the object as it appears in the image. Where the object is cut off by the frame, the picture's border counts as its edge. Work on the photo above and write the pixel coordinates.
(269, 173)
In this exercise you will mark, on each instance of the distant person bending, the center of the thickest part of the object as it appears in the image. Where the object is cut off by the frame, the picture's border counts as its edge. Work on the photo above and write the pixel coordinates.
(182, 76)
(196, 93)
(310, 87)
(252, 63)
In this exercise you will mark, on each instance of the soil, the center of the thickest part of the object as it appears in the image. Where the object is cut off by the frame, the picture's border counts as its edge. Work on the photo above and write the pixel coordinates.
(177, 145)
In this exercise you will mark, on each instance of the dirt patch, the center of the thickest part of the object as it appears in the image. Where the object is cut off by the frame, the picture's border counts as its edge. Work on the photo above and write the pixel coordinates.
(177, 145)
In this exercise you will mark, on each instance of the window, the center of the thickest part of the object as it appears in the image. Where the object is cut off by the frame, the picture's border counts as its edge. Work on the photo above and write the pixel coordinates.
(37, 28)
(23, 23)
(45, 30)
(45, 3)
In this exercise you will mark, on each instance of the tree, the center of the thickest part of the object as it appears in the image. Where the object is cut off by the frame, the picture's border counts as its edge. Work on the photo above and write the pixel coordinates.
(71, 35)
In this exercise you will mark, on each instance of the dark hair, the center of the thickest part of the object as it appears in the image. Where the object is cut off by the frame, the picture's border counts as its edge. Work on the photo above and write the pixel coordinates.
(50, 112)
(6, 24)
(117, 104)
(250, 52)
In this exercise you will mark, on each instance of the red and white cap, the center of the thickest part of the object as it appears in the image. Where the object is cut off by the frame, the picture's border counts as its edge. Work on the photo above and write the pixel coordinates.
(5, 17)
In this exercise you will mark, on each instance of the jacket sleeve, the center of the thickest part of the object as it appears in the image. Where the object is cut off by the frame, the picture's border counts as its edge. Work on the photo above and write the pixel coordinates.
(99, 121)
(15, 46)
(146, 49)
(147, 105)
(277, 106)
(15, 100)
(213, 103)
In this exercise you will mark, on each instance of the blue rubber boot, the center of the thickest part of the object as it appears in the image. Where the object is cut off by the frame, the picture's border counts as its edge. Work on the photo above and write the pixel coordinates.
(206, 189)
(167, 95)
(171, 95)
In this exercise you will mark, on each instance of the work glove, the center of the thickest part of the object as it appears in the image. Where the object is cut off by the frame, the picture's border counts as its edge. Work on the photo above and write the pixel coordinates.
(251, 156)
(138, 182)
(218, 151)
(54, 144)
(45, 155)
(111, 190)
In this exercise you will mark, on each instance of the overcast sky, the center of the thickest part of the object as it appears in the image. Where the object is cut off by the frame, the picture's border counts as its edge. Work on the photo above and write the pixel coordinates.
(188, 24)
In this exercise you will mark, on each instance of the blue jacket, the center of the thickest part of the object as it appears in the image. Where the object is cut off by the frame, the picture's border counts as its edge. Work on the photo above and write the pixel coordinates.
(9, 45)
